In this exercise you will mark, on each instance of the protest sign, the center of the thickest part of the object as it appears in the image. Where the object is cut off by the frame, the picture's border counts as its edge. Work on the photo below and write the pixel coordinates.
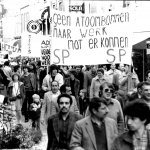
(88, 39)
(13, 51)
(45, 51)
(31, 44)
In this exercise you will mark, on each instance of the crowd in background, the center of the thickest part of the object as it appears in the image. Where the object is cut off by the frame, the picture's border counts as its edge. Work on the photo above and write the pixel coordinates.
(33, 92)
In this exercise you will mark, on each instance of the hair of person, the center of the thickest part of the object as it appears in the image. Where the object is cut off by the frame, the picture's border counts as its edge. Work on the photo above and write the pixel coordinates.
(54, 81)
(145, 83)
(139, 85)
(15, 74)
(6, 63)
(52, 67)
(16, 68)
(95, 103)
(84, 91)
(63, 88)
(147, 73)
(73, 71)
(116, 87)
(100, 70)
(66, 96)
(26, 67)
(34, 96)
(139, 109)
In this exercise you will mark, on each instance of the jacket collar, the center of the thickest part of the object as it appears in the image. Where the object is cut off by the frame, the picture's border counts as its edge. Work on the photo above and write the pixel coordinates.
(90, 130)
(70, 126)
(128, 137)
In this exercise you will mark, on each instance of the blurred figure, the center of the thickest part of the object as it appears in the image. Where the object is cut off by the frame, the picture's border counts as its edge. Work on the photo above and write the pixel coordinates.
(123, 81)
(74, 83)
(96, 83)
(83, 101)
(8, 72)
(35, 111)
(51, 76)
(80, 76)
(29, 81)
(137, 137)
(88, 76)
(16, 94)
(3, 81)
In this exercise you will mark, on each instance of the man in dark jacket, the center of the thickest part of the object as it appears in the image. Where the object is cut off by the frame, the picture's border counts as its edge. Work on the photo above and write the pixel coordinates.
(60, 125)
(137, 137)
(29, 81)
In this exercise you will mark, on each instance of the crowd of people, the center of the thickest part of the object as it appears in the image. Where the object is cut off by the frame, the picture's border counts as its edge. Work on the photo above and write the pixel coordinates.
(83, 107)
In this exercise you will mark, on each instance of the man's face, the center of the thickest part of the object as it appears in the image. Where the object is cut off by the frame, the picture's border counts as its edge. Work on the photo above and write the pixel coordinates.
(64, 105)
(54, 72)
(101, 112)
(55, 87)
(107, 92)
(68, 90)
(19, 70)
(126, 69)
(25, 70)
(113, 66)
(122, 67)
(134, 123)
(99, 74)
(78, 69)
(145, 92)
(72, 76)
(148, 78)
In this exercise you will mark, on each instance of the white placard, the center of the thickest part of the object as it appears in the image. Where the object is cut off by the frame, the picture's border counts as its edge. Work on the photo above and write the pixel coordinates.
(79, 39)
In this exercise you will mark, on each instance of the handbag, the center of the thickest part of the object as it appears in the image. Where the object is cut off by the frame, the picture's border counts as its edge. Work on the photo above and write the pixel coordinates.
(2, 86)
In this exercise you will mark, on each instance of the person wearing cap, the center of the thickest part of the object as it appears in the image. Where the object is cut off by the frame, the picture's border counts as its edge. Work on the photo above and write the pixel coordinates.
(16, 94)
(74, 83)
(52, 75)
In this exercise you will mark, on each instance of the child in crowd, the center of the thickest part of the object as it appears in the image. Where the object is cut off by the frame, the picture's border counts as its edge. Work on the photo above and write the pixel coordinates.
(35, 111)
(83, 101)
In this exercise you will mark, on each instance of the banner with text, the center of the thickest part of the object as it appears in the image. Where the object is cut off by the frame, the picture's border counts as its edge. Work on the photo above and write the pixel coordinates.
(31, 45)
(79, 39)
(45, 51)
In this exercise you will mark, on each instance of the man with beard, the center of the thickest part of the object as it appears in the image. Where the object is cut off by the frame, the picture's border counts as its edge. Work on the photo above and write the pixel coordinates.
(95, 132)
(137, 137)
(60, 125)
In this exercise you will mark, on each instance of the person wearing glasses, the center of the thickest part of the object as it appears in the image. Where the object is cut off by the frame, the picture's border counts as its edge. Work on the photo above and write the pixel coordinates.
(115, 110)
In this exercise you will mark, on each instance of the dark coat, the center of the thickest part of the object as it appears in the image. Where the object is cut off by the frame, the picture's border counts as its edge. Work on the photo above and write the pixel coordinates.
(4, 78)
(125, 142)
(53, 130)
(32, 79)
(76, 87)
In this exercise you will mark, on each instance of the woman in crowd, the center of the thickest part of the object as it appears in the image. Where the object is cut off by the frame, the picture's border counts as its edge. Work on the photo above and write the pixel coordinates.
(16, 94)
